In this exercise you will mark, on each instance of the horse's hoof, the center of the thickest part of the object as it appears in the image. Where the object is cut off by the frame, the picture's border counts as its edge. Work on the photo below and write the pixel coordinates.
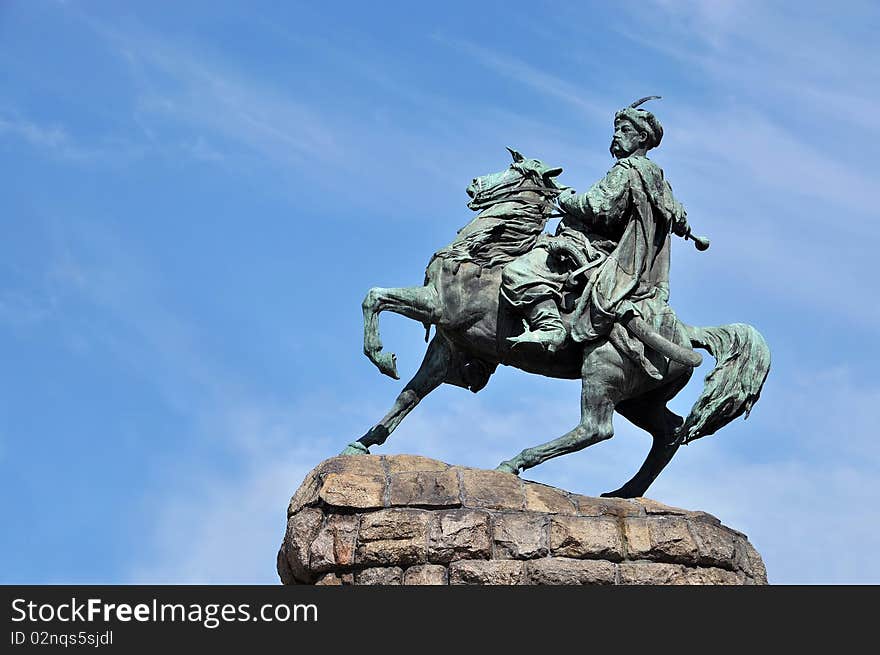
(387, 363)
(356, 448)
(507, 467)
(618, 493)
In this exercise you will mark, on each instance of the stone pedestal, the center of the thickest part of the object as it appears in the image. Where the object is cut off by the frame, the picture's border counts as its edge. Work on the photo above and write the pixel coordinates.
(404, 519)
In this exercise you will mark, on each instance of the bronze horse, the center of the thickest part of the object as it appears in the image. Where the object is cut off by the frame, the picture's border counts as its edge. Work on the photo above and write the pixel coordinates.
(461, 298)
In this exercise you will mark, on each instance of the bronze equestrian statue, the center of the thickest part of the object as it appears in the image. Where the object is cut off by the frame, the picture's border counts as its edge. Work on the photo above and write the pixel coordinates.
(590, 302)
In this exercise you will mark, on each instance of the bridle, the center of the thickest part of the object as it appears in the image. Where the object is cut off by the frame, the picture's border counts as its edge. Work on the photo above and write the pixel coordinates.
(512, 192)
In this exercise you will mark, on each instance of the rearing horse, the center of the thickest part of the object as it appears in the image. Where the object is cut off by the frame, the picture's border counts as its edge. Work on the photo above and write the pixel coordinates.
(461, 298)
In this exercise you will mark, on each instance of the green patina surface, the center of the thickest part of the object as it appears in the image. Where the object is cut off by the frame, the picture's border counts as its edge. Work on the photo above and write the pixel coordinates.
(589, 302)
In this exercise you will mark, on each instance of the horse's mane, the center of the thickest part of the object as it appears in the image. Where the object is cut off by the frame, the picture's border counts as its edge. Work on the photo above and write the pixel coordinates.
(493, 240)
(501, 232)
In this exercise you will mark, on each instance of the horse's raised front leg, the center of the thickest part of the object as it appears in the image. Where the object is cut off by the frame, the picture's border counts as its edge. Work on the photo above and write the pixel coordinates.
(599, 394)
(430, 375)
(418, 303)
(654, 417)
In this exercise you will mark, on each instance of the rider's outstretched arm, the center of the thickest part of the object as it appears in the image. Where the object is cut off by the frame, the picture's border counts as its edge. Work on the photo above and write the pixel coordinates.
(603, 205)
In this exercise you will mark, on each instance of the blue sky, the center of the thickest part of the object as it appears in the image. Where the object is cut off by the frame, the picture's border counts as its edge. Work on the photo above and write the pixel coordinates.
(198, 195)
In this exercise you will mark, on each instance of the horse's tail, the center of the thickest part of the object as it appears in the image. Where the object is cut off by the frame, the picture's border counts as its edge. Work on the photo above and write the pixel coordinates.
(734, 385)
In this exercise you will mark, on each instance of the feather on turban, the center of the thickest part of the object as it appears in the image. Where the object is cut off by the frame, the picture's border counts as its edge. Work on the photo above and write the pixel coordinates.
(643, 121)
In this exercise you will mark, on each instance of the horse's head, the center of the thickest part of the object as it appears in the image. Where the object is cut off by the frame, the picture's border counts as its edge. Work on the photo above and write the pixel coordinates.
(501, 184)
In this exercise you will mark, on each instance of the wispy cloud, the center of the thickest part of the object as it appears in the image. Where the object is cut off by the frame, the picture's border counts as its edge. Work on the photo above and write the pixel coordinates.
(48, 138)
(186, 101)
(528, 75)
(177, 83)
(769, 155)
(64, 144)
(771, 56)
(52, 137)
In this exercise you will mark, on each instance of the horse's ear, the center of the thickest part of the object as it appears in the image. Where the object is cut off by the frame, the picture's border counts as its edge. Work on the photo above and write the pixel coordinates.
(517, 158)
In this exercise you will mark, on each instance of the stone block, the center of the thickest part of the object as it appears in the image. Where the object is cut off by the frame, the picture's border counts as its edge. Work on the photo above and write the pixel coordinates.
(650, 573)
(459, 534)
(486, 572)
(335, 580)
(335, 544)
(392, 537)
(705, 517)
(302, 528)
(749, 562)
(425, 488)
(353, 490)
(394, 524)
(491, 489)
(586, 537)
(620, 507)
(390, 552)
(307, 494)
(547, 500)
(637, 537)
(520, 536)
(716, 545)
(711, 575)
(383, 575)
(413, 463)
(564, 571)
(425, 574)
(660, 538)
(662, 573)
(671, 540)
(357, 464)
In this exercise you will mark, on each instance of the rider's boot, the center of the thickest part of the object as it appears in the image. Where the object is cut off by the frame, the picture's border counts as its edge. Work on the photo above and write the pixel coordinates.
(545, 327)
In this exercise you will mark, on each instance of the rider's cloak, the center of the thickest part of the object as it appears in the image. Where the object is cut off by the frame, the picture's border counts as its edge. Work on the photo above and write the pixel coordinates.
(634, 206)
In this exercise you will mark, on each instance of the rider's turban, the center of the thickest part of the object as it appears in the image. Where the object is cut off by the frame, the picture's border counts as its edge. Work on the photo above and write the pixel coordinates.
(643, 120)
